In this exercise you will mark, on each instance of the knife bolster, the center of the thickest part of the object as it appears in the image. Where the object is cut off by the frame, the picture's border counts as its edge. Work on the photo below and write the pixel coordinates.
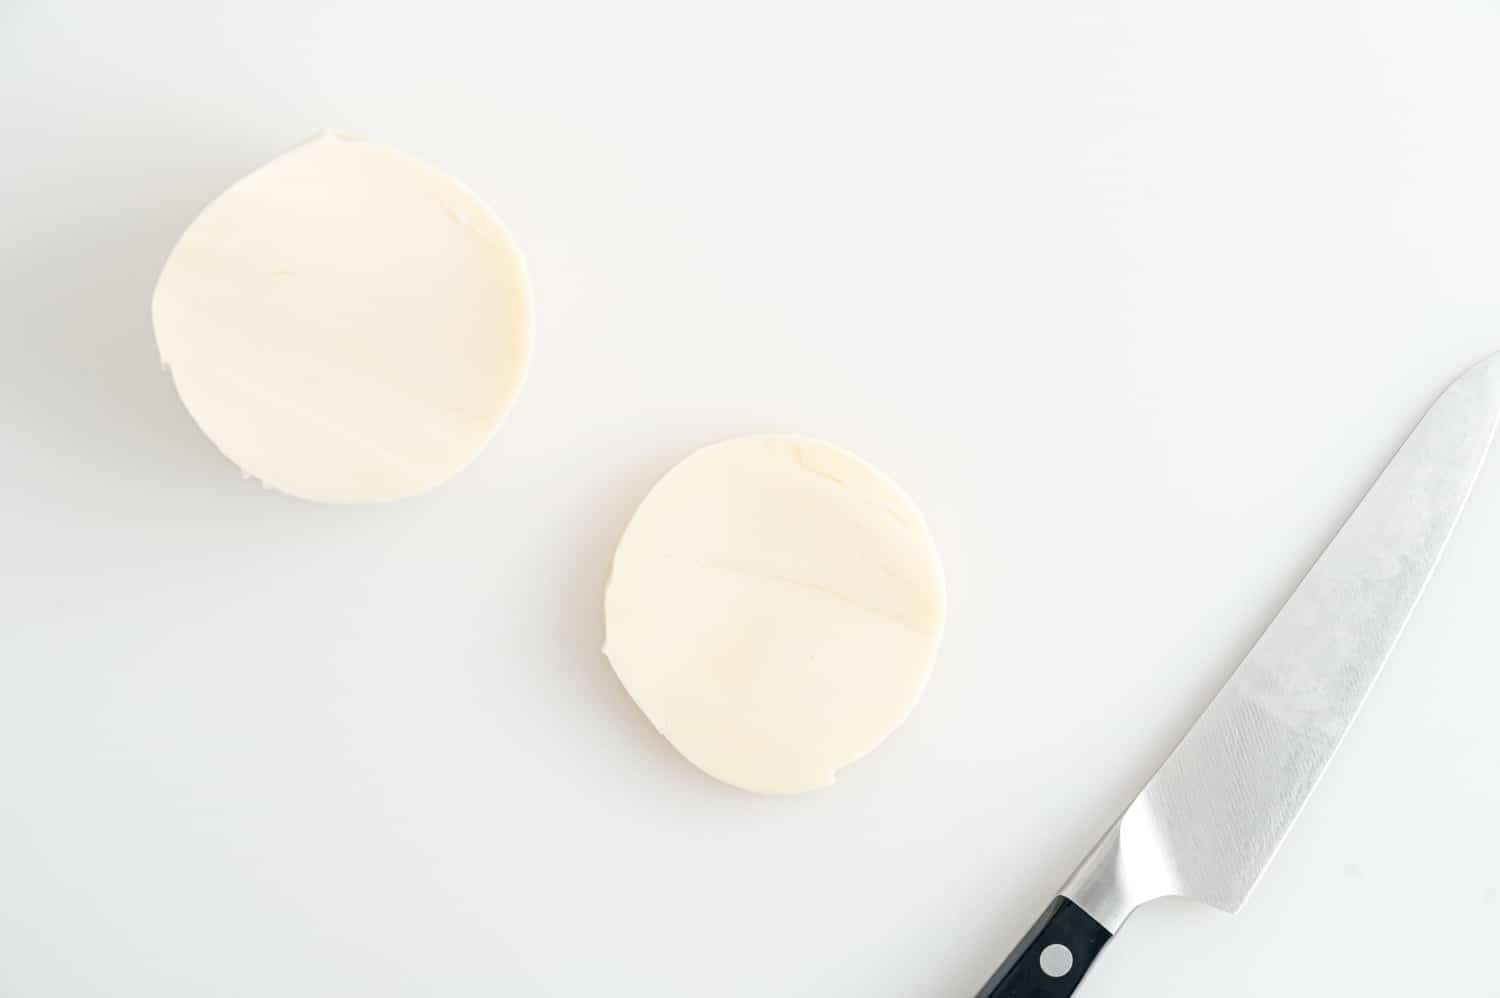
(1126, 869)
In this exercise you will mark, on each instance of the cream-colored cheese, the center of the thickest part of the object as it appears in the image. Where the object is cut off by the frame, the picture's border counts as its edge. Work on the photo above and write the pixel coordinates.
(775, 608)
(347, 323)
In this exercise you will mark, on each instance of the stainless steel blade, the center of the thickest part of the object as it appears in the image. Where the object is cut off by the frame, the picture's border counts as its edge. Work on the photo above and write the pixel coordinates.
(1209, 822)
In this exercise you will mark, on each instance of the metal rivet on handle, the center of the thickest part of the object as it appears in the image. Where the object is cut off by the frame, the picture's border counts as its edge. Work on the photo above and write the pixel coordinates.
(1056, 960)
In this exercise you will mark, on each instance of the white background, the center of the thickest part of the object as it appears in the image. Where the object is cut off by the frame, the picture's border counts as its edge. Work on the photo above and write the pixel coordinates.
(1135, 299)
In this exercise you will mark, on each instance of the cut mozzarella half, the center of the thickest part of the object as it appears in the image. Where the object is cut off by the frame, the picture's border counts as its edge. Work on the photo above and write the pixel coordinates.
(775, 609)
(347, 323)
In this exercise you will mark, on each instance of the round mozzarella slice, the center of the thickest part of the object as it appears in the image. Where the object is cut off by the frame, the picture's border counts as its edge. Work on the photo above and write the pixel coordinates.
(347, 323)
(775, 608)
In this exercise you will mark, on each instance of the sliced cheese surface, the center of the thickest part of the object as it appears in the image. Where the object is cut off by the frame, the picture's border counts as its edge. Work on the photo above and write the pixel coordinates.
(347, 323)
(775, 608)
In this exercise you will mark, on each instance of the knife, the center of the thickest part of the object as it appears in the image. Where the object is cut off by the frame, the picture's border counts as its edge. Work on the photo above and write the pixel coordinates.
(1209, 822)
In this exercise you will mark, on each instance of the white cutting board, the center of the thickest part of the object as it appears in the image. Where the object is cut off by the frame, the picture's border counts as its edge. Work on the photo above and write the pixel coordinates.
(1134, 299)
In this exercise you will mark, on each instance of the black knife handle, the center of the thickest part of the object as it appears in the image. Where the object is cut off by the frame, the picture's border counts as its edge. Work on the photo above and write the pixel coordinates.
(1025, 974)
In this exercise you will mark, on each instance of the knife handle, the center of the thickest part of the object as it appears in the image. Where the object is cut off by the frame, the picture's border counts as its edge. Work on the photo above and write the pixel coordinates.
(1027, 974)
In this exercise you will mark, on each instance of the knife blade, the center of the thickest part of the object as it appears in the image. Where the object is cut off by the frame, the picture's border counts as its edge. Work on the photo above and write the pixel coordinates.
(1209, 822)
